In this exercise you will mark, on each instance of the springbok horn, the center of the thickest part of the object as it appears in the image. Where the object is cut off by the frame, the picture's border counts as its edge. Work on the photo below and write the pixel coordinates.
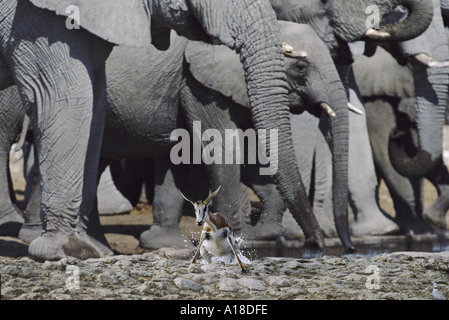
(209, 198)
(376, 34)
(354, 109)
(328, 109)
(291, 53)
(429, 62)
(192, 202)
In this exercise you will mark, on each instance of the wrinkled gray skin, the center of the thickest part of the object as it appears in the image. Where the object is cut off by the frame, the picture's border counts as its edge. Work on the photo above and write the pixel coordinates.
(322, 85)
(10, 126)
(58, 58)
(430, 85)
(389, 91)
(284, 188)
(428, 82)
(213, 109)
(330, 20)
(363, 185)
(362, 180)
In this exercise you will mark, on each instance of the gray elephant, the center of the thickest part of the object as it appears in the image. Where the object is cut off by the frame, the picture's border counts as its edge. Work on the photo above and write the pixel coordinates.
(135, 140)
(403, 102)
(283, 176)
(376, 79)
(62, 84)
(362, 180)
(337, 30)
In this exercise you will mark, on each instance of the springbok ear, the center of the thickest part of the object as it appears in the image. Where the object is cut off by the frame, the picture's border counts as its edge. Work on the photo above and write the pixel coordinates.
(213, 194)
(192, 202)
(116, 21)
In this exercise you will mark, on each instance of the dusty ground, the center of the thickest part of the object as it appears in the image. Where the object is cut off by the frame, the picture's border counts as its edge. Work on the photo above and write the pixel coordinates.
(167, 274)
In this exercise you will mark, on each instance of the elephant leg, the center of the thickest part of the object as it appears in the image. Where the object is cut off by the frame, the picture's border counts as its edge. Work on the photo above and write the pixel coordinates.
(110, 199)
(436, 213)
(381, 121)
(213, 111)
(128, 177)
(272, 206)
(167, 209)
(32, 227)
(304, 132)
(322, 185)
(11, 217)
(65, 101)
(369, 218)
(147, 169)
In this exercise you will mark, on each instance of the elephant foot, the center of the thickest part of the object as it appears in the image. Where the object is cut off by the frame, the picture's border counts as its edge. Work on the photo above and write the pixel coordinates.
(11, 222)
(164, 236)
(413, 225)
(56, 245)
(373, 225)
(436, 213)
(436, 218)
(30, 231)
(113, 202)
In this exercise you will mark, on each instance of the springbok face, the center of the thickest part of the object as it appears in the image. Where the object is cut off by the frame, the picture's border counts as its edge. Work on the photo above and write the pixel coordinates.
(201, 206)
(200, 212)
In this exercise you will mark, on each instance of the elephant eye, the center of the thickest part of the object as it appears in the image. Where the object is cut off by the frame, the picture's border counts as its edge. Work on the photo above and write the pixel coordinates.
(301, 67)
(297, 72)
(324, 1)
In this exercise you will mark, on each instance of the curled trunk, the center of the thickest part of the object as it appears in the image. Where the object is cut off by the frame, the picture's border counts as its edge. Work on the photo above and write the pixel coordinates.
(419, 17)
(431, 96)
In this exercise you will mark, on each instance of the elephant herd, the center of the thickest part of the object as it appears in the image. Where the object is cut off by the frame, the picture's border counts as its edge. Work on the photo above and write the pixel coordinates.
(351, 101)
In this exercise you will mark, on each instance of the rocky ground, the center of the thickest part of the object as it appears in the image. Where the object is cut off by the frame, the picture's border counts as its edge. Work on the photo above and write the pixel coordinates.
(168, 274)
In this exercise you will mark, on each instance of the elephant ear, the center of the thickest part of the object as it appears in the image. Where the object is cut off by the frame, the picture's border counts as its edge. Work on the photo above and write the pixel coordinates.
(121, 22)
(218, 68)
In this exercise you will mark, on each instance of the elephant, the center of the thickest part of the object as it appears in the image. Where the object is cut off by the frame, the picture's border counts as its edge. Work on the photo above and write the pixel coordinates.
(330, 20)
(59, 70)
(134, 139)
(341, 22)
(281, 176)
(398, 98)
(370, 218)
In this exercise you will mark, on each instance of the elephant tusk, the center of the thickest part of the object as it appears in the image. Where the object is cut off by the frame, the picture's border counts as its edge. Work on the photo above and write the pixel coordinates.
(354, 109)
(328, 109)
(429, 62)
(291, 53)
(376, 34)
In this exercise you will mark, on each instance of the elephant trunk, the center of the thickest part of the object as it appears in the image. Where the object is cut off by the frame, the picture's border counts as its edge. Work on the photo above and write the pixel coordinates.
(431, 85)
(339, 129)
(250, 28)
(335, 94)
(267, 91)
(419, 17)
(264, 69)
(431, 97)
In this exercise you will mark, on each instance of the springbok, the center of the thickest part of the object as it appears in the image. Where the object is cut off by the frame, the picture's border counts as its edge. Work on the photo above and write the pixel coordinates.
(217, 238)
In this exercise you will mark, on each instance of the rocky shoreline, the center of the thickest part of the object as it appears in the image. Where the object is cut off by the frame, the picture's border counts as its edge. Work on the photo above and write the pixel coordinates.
(167, 274)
